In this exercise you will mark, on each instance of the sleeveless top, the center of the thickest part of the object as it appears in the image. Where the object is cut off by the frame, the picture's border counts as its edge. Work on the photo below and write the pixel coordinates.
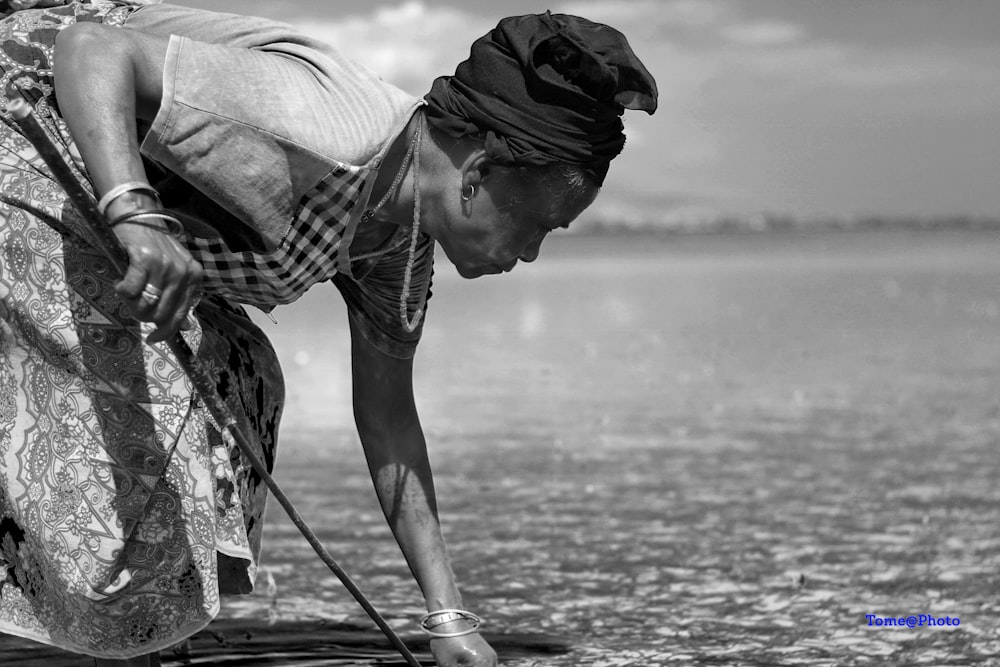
(267, 144)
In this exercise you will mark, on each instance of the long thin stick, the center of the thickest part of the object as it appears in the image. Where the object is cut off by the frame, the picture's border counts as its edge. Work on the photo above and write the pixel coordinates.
(202, 380)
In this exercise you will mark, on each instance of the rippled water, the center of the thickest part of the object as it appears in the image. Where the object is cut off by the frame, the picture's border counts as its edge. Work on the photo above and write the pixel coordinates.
(705, 450)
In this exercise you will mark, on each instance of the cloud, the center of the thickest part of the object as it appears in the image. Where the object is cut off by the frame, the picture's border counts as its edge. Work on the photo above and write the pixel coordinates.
(763, 33)
(408, 44)
(909, 69)
(690, 13)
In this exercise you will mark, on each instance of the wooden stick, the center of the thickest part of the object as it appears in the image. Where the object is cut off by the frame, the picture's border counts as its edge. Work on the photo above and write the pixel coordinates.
(200, 377)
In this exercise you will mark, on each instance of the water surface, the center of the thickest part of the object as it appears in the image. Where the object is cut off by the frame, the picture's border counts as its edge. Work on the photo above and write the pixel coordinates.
(689, 450)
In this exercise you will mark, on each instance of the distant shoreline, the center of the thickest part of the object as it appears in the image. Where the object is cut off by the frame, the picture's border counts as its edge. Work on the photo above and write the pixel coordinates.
(821, 239)
(779, 225)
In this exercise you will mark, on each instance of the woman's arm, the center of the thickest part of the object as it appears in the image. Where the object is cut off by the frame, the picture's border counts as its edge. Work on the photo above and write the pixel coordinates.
(106, 77)
(394, 445)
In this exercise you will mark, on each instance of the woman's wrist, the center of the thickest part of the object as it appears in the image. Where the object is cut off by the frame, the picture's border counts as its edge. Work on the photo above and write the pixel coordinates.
(151, 218)
(130, 201)
(448, 623)
(136, 203)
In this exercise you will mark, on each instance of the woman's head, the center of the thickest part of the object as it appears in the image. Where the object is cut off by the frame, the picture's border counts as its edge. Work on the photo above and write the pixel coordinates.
(534, 116)
(493, 215)
(545, 88)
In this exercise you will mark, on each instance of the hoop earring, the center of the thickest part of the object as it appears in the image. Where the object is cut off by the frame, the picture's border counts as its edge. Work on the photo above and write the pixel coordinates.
(472, 193)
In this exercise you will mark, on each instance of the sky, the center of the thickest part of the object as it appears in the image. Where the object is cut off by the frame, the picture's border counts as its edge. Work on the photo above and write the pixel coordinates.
(804, 108)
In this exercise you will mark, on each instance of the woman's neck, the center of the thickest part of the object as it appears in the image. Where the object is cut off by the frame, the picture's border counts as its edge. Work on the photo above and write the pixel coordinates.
(397, 209)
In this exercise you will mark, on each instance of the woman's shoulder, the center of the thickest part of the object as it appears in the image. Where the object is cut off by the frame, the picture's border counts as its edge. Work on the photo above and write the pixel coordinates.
(256, 121)
(377, 288)
(270, 76)
(235, 30)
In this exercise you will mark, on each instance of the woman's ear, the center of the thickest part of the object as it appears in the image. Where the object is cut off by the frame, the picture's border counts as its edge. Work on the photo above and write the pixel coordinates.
(475, 170)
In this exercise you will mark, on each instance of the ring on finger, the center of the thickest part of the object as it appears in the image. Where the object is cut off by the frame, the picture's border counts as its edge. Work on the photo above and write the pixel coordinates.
(151, 294)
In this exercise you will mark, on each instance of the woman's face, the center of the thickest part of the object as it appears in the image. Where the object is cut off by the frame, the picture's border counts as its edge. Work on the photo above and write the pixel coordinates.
(502, 224)
(492, 240)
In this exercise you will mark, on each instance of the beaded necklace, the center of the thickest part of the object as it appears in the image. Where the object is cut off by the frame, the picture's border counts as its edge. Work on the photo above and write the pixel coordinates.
(409, 325)
(370, 213)
(413, 152)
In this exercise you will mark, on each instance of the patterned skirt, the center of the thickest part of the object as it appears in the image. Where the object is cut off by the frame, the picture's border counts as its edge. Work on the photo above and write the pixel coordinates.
(124, 512)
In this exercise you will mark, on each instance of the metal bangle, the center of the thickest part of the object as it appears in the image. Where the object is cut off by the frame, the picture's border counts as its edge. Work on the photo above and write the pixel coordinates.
(449, 615)
(117, 191)
(137, 216)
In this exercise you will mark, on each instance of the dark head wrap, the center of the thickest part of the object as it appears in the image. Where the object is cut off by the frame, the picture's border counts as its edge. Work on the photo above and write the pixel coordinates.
(545, 88)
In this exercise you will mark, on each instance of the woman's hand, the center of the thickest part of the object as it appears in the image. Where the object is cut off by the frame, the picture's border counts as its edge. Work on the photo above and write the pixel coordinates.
(161, 280)
(106, 78)
(465, 651)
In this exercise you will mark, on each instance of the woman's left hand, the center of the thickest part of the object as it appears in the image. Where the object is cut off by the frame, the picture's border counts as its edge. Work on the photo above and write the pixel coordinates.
(465, 651)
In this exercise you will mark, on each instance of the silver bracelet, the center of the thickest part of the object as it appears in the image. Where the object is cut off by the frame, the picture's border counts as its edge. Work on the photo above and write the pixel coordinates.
(434, 619)
(117, 191)
(139, 217)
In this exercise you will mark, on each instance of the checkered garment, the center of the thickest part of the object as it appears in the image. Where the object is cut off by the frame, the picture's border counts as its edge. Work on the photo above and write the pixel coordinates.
(306, 256)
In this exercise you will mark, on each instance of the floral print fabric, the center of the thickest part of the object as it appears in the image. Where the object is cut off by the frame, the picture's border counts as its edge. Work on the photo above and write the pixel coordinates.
(124, 512)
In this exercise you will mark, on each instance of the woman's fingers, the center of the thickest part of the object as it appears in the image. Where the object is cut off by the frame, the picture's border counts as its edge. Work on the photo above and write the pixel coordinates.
(161, 280)
(138, 288)
(172, 315)
(130, 286)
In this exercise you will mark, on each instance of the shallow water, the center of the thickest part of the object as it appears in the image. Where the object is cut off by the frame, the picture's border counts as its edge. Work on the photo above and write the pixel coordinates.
(691, 450)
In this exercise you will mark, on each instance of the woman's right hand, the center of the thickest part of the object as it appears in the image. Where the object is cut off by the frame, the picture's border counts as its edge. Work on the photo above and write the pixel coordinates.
(465, 651)
(161, 280)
